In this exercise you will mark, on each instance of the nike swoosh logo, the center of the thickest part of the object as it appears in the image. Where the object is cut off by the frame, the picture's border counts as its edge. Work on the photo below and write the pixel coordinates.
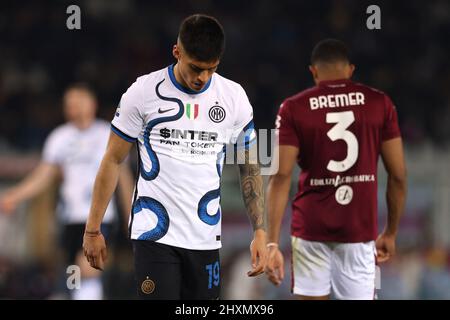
(164, 111)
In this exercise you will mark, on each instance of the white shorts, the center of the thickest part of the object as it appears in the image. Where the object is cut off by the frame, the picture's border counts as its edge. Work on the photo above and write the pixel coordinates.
(345, 269)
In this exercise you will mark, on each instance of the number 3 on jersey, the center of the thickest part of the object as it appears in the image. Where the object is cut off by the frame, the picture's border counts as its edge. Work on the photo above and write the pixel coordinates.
(339, 132)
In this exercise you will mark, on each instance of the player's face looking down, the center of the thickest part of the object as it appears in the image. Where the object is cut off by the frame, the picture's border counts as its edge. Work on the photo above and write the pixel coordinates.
(79, 107)
(191, 73)
(324, 71)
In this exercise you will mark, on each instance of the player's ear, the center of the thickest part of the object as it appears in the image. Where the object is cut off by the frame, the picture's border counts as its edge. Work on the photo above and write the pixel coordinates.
(351, 70)
(176, 52)
(313, 71)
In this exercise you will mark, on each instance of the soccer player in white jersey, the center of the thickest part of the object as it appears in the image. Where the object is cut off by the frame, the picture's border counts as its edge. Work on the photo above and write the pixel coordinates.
(73, 152)
(181, 117)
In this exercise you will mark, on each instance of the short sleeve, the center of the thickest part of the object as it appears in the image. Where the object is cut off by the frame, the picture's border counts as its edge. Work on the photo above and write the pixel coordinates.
(243, 134)
(128, 122)
(391, 128)
(287, 132)
(52, 152)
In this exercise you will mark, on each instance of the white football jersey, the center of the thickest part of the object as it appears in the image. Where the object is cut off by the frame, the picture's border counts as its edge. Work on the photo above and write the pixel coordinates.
(78, 153)
(181, 136)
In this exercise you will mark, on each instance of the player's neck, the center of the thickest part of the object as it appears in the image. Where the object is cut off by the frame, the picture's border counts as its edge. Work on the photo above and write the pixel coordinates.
(331, 77)
(323, 80)
(83, 124)
(178, 77)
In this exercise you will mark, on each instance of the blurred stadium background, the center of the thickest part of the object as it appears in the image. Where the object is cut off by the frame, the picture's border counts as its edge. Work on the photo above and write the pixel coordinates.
(268, 48)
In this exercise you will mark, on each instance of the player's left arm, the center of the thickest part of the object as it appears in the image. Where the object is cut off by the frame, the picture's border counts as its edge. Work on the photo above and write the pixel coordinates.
(252, 186)
(393, 159)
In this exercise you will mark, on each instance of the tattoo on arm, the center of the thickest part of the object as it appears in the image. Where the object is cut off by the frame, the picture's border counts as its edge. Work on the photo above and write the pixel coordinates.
(253, 192)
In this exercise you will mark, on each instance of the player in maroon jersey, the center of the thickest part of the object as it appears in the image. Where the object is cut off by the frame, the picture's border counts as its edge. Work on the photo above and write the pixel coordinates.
(335, 131)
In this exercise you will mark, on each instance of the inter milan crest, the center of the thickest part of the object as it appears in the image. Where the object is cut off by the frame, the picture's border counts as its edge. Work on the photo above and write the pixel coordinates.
(148, 286)
(217, 113)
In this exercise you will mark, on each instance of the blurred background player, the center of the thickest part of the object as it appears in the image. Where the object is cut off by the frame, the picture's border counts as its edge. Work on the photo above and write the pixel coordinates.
(335, 131)
(72, 155)
(182, 117)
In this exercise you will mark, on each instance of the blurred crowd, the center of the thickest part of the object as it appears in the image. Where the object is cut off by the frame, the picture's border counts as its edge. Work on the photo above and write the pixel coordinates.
(268, 50)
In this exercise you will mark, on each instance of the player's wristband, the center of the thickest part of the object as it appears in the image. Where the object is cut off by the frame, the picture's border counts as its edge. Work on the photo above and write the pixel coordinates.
(272, 244)
(92, 233)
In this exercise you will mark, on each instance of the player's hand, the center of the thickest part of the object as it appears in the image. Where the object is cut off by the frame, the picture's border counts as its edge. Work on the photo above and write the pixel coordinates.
(8, 202)
(94, 248)
(385, 245)
(258, 253)
(274, 268)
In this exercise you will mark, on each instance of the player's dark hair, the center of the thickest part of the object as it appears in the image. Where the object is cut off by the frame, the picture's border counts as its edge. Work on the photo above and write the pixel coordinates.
(82, 86)
(202, 37)
(330, 51)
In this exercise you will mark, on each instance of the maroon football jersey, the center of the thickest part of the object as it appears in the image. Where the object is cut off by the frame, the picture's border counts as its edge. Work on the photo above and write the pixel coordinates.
(338, 127)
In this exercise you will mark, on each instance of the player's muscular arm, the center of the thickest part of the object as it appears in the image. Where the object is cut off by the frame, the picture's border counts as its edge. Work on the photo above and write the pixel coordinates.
(278, 190)
(277, 199)
(252, 186)
(393, 159)
(94, 246)
(126, 185)
(253, 193)
(36, 182)
(106, 180)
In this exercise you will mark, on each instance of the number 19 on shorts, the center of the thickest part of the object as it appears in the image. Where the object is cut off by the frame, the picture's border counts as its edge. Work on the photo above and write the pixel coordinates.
(213, 274)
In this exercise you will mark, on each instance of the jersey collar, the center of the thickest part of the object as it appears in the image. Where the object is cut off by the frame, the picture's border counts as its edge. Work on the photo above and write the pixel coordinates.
(182, 88)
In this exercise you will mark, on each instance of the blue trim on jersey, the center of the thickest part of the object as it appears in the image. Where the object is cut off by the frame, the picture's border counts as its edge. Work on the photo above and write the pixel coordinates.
(245, 146)
(211, 195)
(202, 208)
(136, 191)
(158, 209)
(122, 135)
(248, 131)
(220, 160)
(182, 88)
(153, 173)
(245, 135)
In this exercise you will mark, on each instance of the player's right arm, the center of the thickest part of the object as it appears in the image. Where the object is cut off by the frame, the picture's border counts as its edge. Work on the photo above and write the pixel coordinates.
(393, 159)
(105, 183)
(33, 184)
(277, 199)
(125, 186)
